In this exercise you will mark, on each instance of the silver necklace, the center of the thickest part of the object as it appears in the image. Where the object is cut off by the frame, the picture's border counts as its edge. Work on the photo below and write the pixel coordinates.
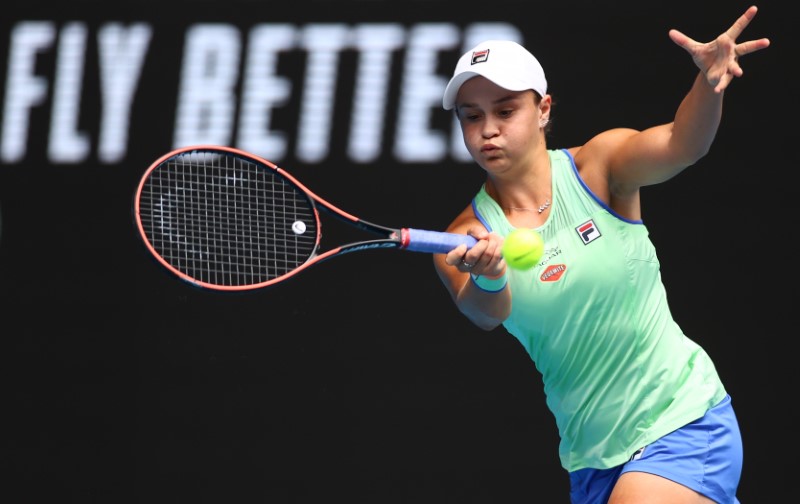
(544, 206)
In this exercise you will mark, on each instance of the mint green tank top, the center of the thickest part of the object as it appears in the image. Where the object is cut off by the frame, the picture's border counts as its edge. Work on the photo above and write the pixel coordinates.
(618, 371)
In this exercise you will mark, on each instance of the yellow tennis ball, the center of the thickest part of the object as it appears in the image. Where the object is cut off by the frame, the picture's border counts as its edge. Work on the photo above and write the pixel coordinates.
(523, 248)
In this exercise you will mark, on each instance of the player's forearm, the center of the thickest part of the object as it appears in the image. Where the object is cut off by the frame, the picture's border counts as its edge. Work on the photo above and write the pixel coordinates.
(697, 121)
(484, 308)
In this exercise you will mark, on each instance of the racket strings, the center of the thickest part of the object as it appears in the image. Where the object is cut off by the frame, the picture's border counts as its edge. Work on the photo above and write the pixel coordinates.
(227, 221)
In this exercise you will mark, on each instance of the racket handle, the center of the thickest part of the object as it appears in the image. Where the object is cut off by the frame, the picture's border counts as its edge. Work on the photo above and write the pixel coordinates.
(419, 240)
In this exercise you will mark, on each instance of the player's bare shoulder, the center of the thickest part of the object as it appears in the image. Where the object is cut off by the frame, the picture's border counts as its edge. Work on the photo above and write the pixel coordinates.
(463, 221)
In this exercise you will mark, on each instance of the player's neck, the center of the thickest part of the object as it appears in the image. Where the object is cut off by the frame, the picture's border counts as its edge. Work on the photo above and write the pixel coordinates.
(529, 193)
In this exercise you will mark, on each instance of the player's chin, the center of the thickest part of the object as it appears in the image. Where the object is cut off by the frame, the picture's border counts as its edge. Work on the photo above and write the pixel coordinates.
(494, 162)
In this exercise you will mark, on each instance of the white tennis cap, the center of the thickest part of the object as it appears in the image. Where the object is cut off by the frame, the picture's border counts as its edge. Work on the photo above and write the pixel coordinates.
(506, 63)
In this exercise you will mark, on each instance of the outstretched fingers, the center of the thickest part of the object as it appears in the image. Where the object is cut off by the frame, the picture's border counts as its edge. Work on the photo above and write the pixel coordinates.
(738, 27)
(741, 23)
(751, 46)
(719, 59)
(681, 39)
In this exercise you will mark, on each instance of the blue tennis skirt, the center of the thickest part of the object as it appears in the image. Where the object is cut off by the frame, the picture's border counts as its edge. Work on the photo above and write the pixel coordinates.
(705, 455)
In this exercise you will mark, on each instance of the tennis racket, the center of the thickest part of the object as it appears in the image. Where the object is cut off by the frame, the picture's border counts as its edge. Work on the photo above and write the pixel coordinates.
(223, 219)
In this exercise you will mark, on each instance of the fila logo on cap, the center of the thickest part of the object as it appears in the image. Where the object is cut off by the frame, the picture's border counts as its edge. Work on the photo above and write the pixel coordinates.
(480, 56)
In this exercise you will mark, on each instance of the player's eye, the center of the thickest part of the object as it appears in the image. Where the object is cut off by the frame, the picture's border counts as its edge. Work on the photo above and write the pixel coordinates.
(470, 116)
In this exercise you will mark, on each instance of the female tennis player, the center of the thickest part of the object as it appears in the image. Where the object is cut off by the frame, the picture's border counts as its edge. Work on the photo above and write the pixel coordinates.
(641, 411)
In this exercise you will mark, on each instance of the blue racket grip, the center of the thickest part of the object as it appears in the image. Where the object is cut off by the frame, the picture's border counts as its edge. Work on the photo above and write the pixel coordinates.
(436, 242)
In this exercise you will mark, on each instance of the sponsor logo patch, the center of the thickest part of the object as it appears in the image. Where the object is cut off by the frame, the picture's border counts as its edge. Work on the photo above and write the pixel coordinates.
(588, 232)
(553, 273)
(480, 56)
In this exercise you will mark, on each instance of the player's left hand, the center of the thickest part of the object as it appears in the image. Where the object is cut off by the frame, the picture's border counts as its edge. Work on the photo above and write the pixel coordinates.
(719, 59)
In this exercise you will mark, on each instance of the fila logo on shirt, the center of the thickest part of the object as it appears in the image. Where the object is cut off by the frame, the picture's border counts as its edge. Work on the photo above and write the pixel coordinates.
(588, 232)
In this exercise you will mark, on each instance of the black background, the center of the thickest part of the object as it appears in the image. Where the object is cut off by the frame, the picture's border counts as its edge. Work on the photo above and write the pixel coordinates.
(358, 381)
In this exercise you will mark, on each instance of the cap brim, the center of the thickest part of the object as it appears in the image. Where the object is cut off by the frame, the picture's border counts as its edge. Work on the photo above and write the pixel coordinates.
(451, 91)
